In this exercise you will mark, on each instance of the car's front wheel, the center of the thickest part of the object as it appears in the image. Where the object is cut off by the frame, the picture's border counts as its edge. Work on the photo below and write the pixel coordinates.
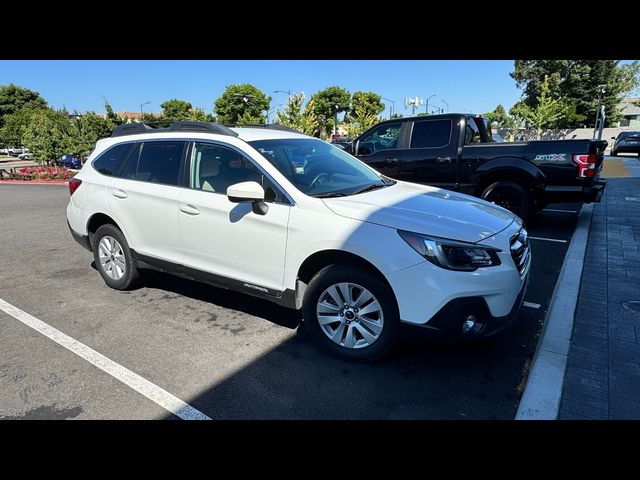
(113, 258)
(350, 313)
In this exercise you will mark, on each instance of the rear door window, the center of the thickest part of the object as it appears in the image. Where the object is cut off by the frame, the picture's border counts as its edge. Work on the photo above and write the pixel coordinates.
(157, 162)
(431, 133)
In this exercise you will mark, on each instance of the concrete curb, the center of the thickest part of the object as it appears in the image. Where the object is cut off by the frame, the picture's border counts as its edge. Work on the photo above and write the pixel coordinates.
(541, 398)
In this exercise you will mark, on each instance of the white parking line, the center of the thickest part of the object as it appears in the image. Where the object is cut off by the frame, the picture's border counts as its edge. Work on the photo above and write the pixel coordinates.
(563, 211)
(548, 239)
(145, 387)
(531, 304)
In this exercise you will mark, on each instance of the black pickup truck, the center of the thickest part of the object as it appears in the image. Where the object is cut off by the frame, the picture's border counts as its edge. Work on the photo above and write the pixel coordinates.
(457, 152)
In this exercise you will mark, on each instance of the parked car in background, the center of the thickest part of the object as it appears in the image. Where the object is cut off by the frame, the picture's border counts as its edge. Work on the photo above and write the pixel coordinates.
(25, 156)
(497, 138)
(356, 251)
(15, 151)
(4, 151)
(70, 160)
(456, 151)
(626, 142)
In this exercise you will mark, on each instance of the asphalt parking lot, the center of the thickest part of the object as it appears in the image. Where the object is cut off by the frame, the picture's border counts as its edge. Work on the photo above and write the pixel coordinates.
(228, 355)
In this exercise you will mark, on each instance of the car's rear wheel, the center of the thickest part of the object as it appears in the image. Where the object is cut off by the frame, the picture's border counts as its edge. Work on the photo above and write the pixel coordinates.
(350, 313)
(510, 195)
(113, 258)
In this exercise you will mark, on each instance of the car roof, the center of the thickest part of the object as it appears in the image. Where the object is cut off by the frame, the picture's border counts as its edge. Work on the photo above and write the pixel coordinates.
(249, 134)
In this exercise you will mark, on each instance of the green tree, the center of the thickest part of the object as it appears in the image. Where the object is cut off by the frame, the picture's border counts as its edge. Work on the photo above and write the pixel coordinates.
(575, 83)
(14, 126)
(362, 119)
(329, 103)
(197, 115)
(14, 98)
(175, 109)
(85, 131)
(370, 103)
(113, 118)
(241, 105)
(292, 116)
(548, 112)
(47, 134)
(311, 124)
(499, 117)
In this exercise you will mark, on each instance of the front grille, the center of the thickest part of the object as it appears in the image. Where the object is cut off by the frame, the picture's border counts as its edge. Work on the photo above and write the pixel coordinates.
(520, 251)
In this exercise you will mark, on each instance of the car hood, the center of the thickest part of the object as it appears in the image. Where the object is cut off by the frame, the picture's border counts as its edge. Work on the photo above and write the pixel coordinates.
(427, 210)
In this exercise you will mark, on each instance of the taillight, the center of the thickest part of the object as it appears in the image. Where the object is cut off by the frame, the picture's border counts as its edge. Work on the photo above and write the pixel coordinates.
(586, 165)
(74, 183)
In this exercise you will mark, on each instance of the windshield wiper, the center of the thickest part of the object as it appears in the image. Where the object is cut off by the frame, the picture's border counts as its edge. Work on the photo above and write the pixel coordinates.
(331, 195)
(373, 186)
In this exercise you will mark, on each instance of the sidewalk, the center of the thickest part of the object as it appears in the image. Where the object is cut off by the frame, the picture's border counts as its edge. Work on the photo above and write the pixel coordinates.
(602, 377)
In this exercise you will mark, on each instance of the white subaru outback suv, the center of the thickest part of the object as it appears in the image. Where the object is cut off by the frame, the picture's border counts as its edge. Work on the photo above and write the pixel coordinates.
(297, 221)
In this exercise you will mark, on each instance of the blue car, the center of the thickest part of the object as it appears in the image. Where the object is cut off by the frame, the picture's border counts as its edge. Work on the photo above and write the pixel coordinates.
(70, 160)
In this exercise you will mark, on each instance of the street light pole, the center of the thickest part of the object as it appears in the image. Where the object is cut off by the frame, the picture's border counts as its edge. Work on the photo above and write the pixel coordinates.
(141, 106)
(392, 108)
(446, 105)
(599, 113)
(426, 108)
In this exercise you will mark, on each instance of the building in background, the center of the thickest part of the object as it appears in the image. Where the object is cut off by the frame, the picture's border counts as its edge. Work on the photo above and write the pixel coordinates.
(630, 109)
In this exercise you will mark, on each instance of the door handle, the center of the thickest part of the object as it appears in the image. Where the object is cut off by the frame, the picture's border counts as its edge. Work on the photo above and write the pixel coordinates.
(443, 160)
(189, 210)
(120, 194)
(391, 160)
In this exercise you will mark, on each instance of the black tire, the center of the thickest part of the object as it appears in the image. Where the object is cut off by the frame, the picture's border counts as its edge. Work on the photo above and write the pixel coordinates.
(130, 276)
(539, 206)
(333, 274)
(510, 195)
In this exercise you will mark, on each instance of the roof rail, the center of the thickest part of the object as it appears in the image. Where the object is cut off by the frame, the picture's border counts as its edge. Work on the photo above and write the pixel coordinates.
(181, 126)
(270, 126)
(131, 129)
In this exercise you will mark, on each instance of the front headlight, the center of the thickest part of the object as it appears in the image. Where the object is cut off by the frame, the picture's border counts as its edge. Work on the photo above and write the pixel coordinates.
(452, 254)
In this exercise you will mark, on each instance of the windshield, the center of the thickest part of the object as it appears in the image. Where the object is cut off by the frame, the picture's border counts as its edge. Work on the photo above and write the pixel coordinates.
(319, 169)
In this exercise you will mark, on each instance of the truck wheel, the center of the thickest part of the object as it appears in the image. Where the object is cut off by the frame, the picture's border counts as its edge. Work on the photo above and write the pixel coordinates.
(511, 196)
(351, 314)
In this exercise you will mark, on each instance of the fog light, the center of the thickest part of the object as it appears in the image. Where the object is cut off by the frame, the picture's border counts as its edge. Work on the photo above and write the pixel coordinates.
(469, 324)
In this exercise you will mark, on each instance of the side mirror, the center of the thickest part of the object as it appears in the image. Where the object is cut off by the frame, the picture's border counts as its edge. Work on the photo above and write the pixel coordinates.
(248, 192)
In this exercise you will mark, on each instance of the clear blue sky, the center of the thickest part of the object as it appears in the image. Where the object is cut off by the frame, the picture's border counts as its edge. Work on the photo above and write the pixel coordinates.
(466, 85)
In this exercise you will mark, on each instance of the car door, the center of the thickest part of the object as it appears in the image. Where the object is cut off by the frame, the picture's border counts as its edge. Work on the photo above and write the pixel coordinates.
(225, 239)
(432, 155)
(382, 148)
(144, 198)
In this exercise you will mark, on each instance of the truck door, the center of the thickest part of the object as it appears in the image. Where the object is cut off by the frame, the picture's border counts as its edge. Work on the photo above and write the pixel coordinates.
(380, 147)
(432, 154)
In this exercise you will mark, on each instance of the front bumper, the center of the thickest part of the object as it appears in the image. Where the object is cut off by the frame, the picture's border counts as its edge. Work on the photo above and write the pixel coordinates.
(451, 317)
(570, 193)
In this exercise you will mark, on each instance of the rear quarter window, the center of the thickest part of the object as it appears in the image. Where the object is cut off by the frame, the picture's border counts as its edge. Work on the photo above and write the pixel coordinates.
(110, 162)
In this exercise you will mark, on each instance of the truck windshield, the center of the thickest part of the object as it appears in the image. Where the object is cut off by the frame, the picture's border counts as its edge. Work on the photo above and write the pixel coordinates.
(319, 169)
